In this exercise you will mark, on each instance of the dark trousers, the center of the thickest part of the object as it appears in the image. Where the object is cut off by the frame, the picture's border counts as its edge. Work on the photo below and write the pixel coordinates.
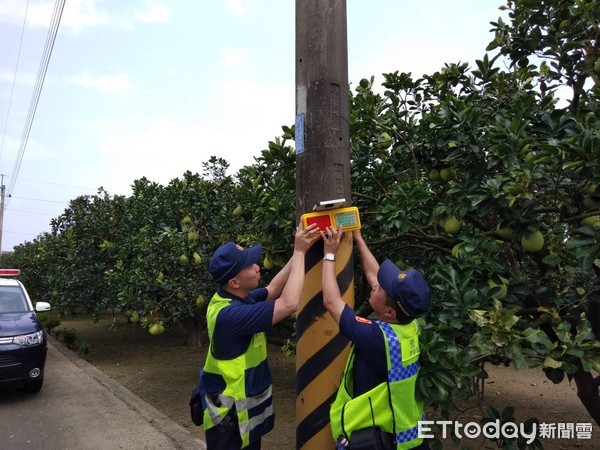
(226, 436)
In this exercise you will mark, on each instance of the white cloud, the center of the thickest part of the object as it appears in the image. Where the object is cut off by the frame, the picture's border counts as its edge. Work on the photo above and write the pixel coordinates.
(154, 12)
(165, 149)
(79, 14)
(238, 7)
(38, 13)
(243, 98)
(24, 79)
(11, 10)
(117, 84)
(234, 58)
(160, 152)
(82, 13)
(76, 13)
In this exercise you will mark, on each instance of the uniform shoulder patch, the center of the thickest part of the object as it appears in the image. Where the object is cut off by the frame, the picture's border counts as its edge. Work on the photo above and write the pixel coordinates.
(362, 320)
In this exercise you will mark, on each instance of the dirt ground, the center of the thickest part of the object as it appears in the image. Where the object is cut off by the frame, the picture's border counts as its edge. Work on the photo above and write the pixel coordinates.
(162, 370)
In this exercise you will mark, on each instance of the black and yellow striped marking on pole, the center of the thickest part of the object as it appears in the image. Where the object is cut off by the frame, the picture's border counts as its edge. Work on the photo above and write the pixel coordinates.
(321, 351)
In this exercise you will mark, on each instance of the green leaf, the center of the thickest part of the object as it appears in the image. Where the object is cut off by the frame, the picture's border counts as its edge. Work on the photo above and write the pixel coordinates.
(445, 378)
(552, 259)
(552, 363)
(514, 352)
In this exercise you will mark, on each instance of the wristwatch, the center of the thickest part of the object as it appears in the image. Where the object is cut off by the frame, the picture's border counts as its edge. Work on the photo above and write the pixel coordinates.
(329, 257)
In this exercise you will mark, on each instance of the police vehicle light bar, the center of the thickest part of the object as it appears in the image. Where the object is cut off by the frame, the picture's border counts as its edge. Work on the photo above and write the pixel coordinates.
(9, 272)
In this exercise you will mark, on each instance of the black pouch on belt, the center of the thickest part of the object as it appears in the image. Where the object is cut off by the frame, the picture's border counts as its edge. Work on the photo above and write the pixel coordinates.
(196, 410)
(372, 438)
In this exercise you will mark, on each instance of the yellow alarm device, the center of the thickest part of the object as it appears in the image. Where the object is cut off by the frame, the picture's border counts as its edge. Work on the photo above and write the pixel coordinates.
(346, 217)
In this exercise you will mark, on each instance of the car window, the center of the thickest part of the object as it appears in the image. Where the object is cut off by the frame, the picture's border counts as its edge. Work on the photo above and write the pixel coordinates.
(12, 299)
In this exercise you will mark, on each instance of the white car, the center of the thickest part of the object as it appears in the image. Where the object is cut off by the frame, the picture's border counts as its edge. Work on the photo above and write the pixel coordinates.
(23, 344)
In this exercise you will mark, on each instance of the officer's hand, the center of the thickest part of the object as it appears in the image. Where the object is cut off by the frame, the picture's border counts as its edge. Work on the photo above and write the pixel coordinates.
(332, 239)
(305, 237)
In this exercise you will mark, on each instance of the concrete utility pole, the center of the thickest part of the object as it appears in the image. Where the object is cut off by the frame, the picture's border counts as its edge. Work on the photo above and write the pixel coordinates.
(322, 173)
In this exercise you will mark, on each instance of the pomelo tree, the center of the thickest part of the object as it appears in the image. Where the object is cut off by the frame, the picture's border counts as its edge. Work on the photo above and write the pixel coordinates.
(516, 138)
(160, 269)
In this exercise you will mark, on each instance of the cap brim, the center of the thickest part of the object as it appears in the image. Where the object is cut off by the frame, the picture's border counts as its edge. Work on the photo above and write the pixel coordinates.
(387, 273)
(253, 255)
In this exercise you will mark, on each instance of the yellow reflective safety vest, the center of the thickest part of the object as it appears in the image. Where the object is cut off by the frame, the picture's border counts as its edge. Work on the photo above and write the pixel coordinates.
(391, 405)
(243, 383)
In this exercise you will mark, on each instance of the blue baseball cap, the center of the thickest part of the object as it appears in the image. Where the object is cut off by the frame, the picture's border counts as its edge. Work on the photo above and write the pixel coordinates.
(408, 288)
(227, 261)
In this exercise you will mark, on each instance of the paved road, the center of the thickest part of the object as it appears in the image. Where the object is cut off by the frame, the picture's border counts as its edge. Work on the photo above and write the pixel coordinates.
(81, 408)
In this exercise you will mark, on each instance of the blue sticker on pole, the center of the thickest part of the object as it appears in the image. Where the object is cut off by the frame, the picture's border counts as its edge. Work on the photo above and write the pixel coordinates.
(299, 133)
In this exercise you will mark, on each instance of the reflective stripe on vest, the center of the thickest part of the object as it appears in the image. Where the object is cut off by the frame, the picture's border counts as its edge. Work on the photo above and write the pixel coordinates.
(213, 410)
(241, 405)
(396, 371)
(408, 435)
(255, 421)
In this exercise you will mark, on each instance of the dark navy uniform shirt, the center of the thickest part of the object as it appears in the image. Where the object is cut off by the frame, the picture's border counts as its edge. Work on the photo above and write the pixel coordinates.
(237, 322)
(370, 361)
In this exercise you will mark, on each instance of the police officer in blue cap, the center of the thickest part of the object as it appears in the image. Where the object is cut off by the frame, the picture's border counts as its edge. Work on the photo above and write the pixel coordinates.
(375, 407)
(235, 381)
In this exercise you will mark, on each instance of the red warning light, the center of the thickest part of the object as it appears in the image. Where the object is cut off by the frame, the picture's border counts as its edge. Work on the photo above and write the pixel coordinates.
(322, 221)
(9, 272)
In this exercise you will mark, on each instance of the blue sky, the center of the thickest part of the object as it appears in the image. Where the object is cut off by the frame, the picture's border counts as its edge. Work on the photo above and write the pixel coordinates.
(152, 88)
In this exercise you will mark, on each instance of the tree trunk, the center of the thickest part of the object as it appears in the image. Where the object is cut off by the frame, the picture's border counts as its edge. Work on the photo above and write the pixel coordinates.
(587, 391)
(195, 330)
(588, 386)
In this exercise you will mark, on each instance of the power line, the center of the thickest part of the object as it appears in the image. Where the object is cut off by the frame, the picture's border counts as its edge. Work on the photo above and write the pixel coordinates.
(24, 234)
(40, 200)
(50, 39)
(39, 213)
(12, 90)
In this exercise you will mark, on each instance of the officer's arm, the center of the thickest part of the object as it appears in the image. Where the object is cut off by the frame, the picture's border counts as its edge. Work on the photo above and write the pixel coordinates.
(289, 300)
(275, 287)
(368, 261)
(332, 298)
